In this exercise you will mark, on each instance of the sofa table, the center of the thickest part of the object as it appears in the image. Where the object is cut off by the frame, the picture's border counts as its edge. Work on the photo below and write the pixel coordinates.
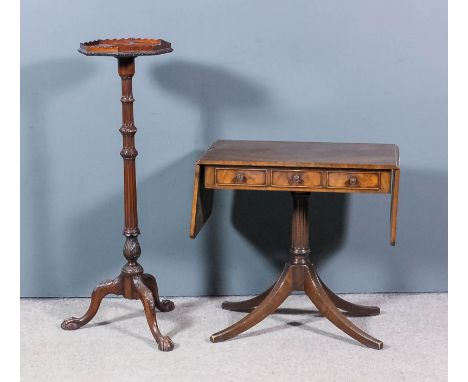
(300, 168)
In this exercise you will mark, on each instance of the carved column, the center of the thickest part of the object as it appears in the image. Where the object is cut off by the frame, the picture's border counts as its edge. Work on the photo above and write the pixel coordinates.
(131, 231)
(300, 247)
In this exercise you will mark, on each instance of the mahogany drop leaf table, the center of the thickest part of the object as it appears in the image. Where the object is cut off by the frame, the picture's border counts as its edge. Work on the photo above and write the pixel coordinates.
(300, 168)
(132, 283)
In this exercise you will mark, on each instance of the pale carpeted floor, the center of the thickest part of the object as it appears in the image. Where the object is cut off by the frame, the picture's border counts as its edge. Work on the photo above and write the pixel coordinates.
(294, 344)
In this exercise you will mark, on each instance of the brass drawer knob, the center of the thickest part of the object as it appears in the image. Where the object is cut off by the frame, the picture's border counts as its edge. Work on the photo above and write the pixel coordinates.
(296, 179)
(353, 180)
(240, 178)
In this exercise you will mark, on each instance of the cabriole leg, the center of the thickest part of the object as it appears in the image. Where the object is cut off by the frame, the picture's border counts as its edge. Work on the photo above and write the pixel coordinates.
(102, 290)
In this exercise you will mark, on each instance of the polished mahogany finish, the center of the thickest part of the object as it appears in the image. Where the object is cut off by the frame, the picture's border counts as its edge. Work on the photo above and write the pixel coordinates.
(317, 180)
(302, 154)
(132, 283)
(299, 274)
(296, 178)
(125, 47)
(301, 168)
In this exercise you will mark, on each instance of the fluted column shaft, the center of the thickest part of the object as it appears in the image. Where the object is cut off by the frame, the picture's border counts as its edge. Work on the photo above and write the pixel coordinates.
(300, 247)
(131, 231)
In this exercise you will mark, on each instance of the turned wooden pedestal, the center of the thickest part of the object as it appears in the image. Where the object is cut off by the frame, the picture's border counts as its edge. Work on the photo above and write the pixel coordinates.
(132, 283)
(299, 274)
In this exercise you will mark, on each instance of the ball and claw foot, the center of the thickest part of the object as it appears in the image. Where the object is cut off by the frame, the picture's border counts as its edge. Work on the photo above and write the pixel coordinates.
(102, 290)
(165, 343)
(146, 290)
(166, 306)
(147, 293)
(71, 323)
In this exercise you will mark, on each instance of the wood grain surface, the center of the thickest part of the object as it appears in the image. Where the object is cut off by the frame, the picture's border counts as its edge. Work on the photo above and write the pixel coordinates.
(302, 154)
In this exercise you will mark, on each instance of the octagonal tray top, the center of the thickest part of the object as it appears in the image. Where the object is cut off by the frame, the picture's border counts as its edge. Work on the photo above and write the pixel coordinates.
(125, 47)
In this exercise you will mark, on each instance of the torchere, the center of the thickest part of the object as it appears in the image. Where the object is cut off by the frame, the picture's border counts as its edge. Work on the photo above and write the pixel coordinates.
(132, 283)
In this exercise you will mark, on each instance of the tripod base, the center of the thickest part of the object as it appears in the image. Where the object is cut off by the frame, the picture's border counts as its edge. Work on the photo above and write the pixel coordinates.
(139, 286)
(300, 277)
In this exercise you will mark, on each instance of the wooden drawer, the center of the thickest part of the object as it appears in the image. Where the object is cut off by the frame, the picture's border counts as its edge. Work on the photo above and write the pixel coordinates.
(353, 180)
(296, 178)
(241, 176)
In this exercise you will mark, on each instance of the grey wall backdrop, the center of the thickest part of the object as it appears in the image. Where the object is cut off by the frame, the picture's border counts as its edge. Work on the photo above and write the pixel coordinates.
(351, 71)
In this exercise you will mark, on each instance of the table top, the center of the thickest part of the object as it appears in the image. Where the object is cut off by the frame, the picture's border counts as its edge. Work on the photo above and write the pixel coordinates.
(304, 167)
(125, 47)
(302, 154)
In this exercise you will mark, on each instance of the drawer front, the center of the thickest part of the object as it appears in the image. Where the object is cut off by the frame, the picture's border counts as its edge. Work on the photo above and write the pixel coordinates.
(353, 180)
(296, 178)
(240, 176)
